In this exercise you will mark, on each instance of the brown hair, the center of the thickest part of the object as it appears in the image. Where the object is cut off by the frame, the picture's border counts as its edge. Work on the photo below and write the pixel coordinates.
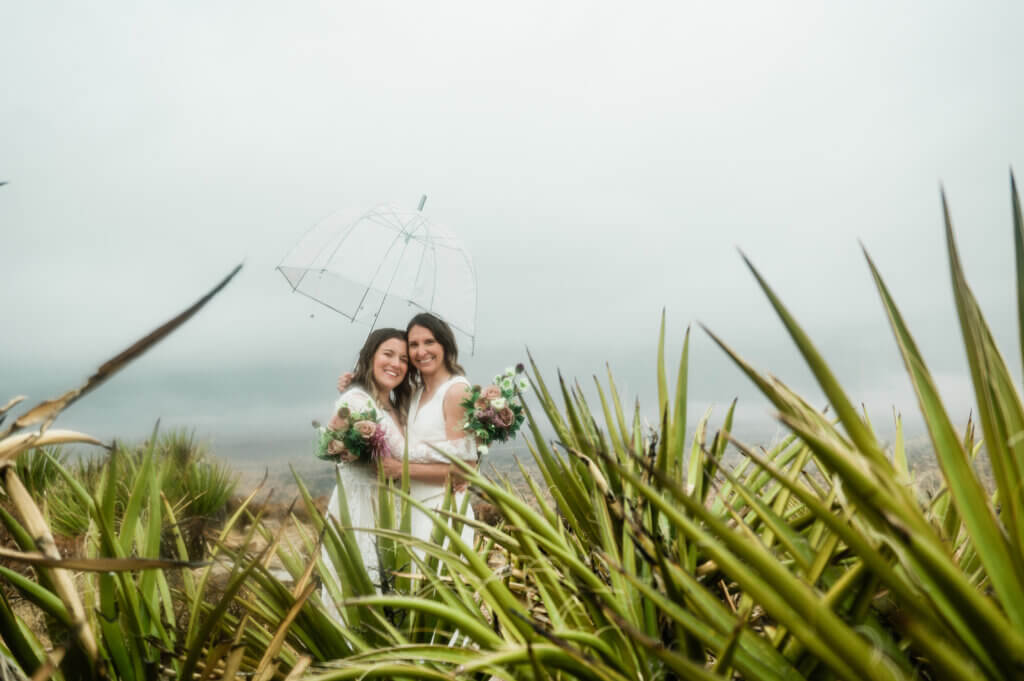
(444, 335)
(363, 372)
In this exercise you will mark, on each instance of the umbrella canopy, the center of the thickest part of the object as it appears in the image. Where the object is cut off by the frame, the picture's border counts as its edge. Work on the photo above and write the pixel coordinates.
(386, 254)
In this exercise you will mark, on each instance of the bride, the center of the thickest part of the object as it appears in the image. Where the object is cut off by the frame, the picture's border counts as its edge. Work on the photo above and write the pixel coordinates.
(379, 382)
(435, 421)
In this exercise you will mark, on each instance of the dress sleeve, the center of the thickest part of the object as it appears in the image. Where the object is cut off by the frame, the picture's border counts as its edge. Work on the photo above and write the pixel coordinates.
(355, 399)
(395, 437)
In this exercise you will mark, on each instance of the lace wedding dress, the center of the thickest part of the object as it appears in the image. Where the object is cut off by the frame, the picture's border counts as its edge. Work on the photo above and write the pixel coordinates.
(361, 488)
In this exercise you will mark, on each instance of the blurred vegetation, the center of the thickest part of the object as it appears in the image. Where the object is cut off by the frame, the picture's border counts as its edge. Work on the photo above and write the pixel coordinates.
(639, 554)
(199, 488)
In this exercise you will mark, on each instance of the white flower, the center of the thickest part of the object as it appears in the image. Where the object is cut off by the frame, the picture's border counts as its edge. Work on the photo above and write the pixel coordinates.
(499, 403)
(506, 384)
(523, 384)
(481, 449)
(510, 372)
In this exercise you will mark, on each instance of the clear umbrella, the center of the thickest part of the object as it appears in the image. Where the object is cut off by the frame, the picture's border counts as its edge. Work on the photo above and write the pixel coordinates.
(386, 254)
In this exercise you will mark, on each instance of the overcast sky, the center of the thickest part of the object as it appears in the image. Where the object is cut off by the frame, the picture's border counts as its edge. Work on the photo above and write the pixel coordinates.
(600, 161)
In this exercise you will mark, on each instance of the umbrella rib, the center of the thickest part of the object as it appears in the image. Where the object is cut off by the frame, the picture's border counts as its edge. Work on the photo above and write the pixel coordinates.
(476, 300)
(305, 270)
(374, 277)
(398, 266)
(458, 328)
(350, 317)
(433, 290)
(351, 228)
(419, 268)
(296, 286)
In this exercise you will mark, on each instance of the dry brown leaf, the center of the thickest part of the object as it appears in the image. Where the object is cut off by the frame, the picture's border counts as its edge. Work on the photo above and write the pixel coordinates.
(15, 444)
(10, 403)
(94, 564)
(267, 666)
(299, 669)
(53, 660)
(63, 585)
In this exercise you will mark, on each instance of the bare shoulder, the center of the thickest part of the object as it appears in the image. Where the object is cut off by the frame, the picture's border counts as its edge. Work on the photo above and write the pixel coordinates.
(456, 394)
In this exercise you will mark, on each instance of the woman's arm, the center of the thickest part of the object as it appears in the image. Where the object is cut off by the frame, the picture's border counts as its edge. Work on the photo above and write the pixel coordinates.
(430, 473)
(437, 473)
(454, 412)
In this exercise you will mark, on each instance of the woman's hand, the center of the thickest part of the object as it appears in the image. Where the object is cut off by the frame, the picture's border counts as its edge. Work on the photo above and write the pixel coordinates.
(391, 467)
(433, 473)
(344, 381)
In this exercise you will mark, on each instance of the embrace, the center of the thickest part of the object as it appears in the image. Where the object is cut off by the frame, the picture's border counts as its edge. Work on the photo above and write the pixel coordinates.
(407, 389)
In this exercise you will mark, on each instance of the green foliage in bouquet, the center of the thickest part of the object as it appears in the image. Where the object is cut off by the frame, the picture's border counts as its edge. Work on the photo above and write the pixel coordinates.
(494, 413)
(360, 433)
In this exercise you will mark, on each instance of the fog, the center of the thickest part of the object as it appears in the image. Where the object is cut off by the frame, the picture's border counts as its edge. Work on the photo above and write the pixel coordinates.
(601, 163)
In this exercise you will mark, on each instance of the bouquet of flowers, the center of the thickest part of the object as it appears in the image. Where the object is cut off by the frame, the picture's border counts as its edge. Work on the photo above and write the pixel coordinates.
(359, 436)
(495, 412)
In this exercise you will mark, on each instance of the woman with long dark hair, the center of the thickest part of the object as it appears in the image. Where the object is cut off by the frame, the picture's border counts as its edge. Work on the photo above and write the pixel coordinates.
(435, 421)
(379, 382)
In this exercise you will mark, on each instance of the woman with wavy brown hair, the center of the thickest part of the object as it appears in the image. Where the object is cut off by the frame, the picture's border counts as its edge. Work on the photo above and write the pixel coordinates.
(434, 428)
(380, 382)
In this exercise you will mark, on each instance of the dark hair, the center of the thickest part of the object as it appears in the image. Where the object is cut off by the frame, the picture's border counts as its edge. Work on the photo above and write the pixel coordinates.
(363, 373)
(444, 335)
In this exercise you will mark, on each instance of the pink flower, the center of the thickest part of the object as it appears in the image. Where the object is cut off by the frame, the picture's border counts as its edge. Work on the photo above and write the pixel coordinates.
(504, 418)
(486, 416)
(379, 443)
(366, 429)
(481, 404)
(491, 392)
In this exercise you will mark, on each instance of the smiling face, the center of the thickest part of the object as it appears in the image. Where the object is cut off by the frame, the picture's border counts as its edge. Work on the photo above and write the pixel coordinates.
(426, 353)
(390, 364)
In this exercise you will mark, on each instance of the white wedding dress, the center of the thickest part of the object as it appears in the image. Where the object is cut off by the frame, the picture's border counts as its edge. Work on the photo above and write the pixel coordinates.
(426, 425)
(426, 431)
(360, 482)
